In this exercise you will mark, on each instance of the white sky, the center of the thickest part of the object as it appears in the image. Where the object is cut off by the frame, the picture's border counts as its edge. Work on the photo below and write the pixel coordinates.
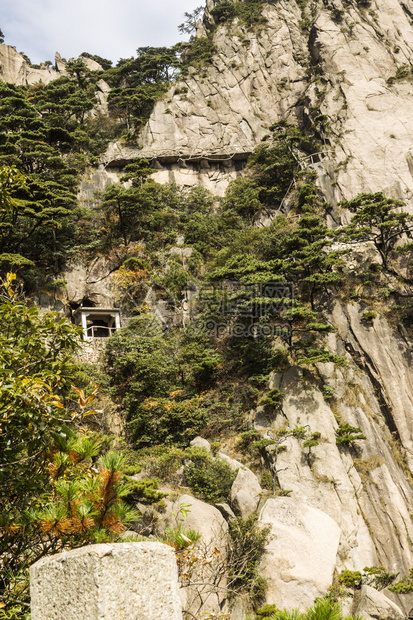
(110, 28)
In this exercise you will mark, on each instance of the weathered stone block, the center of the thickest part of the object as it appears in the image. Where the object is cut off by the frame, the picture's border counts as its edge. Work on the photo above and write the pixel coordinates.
(122, 581)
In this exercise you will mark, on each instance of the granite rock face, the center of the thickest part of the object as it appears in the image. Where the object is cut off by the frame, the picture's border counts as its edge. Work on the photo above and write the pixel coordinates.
(300, 558)
(133, 581)
(335, 62)
(16, 70)
(205, 587)
(245, 493)
(374, 605)
(350, 506)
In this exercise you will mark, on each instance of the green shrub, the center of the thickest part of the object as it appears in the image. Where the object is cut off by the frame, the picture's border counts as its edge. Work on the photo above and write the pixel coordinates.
(312, 441)
(196, 53)
(144, 491)
(266, 612)
(161, 461)
(404, 585)
(15, 612)
(368, 317)
(247, 438)
(273, 398)
(210, 479)
(245, 550)
(328, 392)
(350, 578)
(249, 12)
(337, 14)
(266, 480)
(166, 420)
(180, 538)
(374, 576)
(347, 434)
(378, 577)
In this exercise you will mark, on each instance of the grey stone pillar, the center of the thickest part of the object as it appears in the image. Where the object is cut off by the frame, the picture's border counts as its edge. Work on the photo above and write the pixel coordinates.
(128, 581)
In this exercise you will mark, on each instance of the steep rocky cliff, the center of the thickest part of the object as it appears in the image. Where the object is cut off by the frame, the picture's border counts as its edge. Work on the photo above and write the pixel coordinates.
(343, 70)
(15, 68)
(349, 508)
(323, 58)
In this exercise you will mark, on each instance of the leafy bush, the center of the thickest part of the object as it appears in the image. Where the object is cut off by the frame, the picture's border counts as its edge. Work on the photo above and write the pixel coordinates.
(266, 612)
(347, 434)
(374, 576)
(248, 11)
(350, 578)
(211, 479)
(161, 461)
(312, 441)
(144, 491)
(368, 317)
(197, 53)
(14, 612)
(266, 480)
(166, 420)
(245, 550)
(378, 577)
(328, 392)
(403, 585)
(273, 398)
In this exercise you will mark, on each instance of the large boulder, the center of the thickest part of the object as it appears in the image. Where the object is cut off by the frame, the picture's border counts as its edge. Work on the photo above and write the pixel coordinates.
(245, 491)
(300, 558)
(200, 442)
(374, 605)
(204, 567)
(202, 517)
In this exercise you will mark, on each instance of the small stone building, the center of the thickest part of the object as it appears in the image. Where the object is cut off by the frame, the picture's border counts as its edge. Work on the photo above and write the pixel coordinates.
(97, 322)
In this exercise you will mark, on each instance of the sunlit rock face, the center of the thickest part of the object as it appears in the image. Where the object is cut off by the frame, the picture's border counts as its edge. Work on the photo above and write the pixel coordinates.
(15, 69)
(345, 72)
(337, 64)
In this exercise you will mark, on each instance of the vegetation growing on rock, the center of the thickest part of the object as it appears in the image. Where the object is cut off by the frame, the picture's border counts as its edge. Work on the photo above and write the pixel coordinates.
(217, 368)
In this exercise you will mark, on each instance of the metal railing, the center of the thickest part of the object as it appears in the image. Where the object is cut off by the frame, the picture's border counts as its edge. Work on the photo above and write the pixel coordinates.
(100, 331)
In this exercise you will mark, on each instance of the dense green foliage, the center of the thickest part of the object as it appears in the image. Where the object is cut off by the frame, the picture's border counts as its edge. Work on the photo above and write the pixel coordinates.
(248, 11)
(245, 550)
(51, 497)
(377, 219)
(375, 576)
(346, 434)
(137, 83)
(403, 585)
(210, 479)
(46, 133)
(207, 265)
(50, 133)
